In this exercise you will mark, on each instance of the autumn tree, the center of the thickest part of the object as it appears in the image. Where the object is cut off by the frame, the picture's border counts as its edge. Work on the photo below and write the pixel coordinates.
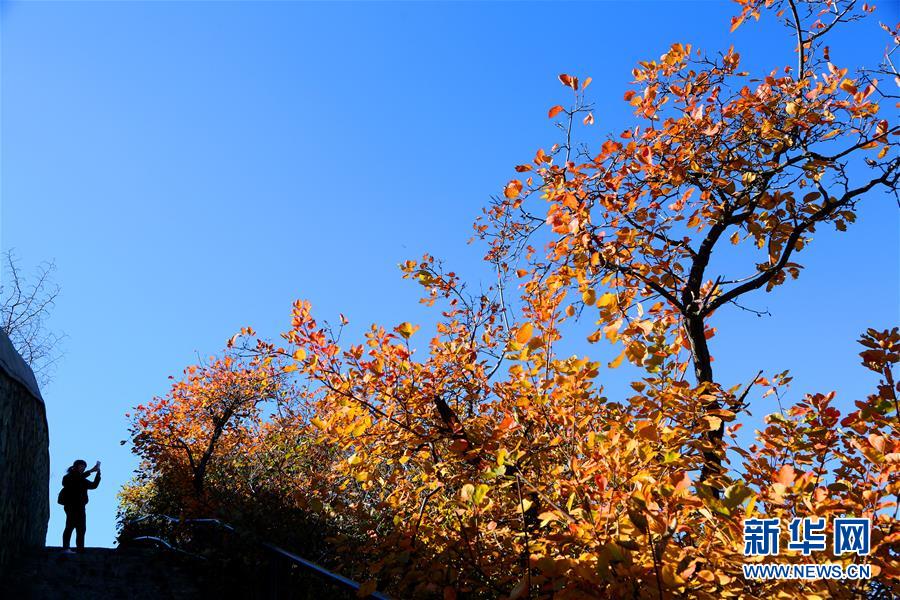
(715, 157)
(210, 416)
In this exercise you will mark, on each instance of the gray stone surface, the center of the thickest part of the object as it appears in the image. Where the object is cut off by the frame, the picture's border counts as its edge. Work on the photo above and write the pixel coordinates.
(24, 458)
(15, 367)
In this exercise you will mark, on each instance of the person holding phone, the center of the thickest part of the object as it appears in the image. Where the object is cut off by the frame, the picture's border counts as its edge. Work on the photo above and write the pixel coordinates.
(74, 497)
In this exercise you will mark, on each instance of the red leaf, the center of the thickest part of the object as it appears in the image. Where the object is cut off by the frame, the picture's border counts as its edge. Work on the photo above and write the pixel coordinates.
(569, 81)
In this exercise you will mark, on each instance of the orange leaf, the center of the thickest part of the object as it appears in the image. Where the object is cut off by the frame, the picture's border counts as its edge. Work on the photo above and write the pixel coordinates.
(617, 361)
(513, 189)
(848, 86)
(524, 333)
(555, 111)
(786, 475)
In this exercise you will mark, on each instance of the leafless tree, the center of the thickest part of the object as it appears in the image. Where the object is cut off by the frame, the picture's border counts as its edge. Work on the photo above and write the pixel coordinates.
(25, 306)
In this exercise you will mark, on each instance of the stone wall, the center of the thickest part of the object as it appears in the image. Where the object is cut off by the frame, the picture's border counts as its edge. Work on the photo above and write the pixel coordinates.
(24, 457)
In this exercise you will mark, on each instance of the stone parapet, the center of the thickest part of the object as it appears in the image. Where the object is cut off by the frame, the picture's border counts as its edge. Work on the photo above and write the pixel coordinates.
(24, 458)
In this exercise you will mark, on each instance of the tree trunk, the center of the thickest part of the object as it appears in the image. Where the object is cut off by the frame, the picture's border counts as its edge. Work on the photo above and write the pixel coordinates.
(695, 329)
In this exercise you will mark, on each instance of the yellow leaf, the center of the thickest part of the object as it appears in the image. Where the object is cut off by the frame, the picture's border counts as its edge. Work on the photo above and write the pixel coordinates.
(290, 368)
(524, 333)
(546, 517)
(589, 297)
(607, 299)
(360, 428)
(467, 491)
(299, 354)
(318, 422)
(480, 491)
(669, 577)
(712, 423)
(406, 329)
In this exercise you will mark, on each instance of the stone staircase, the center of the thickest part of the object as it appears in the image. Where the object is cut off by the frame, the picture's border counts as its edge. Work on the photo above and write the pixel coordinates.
(104, 574)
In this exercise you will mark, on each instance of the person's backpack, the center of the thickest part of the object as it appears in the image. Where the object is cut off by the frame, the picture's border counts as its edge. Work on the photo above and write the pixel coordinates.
(61, 498)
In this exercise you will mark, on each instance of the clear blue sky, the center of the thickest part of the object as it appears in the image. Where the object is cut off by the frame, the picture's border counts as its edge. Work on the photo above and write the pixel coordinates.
(195, 167)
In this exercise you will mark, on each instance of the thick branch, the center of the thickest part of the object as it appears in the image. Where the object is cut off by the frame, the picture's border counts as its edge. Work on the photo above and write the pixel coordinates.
(827, 209)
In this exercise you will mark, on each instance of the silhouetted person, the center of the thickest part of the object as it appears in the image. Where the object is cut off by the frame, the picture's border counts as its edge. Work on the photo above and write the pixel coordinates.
(75, 496)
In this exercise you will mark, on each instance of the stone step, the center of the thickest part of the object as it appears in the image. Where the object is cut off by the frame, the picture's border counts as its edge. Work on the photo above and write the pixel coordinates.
(104, 574)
